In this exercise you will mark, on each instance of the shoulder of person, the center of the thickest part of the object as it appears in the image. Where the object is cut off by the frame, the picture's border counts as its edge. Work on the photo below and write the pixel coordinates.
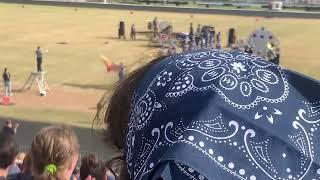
(19, 176)
(8, 131)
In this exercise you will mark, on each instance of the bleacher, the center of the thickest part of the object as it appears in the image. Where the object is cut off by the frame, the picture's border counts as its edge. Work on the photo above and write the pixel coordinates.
(289, 4)
(175, 2)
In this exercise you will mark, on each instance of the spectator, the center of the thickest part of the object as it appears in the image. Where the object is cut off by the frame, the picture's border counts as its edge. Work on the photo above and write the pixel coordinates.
(185, 44)
(16, 167)
(192, 43)
(111, 174)
(24, 172)
(75, 174)
(13, 170)
(93, 168)
(7, 154)
(26, 165)
(206, 35)
(88, 164)
(8, 129)
(54, 153)
(6, 77)
(211, 37)
(198, 36)
(19, 159)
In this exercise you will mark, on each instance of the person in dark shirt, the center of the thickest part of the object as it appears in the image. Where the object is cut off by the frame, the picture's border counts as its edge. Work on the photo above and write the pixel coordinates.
(191, 33)
(8, 153)
(39, 55)
(155, 27)
(121, 72)
(8, 129)
(6, 77)
(133, 32)
(219, 46)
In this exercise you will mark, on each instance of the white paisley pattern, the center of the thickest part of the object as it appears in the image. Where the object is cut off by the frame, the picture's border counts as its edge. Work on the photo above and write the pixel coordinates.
(226, 73)
(240, 131)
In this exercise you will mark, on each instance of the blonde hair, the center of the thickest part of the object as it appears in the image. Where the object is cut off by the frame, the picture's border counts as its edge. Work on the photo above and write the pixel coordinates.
(53, 145)
(20, 157)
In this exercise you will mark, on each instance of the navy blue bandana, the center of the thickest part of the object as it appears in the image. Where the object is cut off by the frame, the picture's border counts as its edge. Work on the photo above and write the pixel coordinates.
(215, 114)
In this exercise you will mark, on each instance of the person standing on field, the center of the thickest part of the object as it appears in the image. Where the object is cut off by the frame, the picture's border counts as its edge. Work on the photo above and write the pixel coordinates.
(219, 46)
(155, 27)
(6, 77)
(39, 56)
(133, 32)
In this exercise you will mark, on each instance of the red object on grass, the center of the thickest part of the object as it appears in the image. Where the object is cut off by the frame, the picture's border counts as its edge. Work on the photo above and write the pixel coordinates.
(6, 100)
(112, 66)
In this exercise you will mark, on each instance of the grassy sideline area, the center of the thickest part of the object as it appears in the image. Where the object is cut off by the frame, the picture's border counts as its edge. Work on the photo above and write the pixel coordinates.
(76, 38)
(51, 116)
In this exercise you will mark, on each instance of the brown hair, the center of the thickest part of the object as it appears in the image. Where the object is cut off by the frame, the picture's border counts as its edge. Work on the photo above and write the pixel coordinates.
(8, 150)
(88, 164)
(117, 113)
(53, 145)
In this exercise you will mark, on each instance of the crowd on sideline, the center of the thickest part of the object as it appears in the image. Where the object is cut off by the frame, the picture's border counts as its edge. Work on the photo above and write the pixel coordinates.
(53, 155)
(205, 37)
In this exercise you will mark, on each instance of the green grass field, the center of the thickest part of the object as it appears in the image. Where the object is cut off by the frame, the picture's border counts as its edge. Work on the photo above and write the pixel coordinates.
(92, 32)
